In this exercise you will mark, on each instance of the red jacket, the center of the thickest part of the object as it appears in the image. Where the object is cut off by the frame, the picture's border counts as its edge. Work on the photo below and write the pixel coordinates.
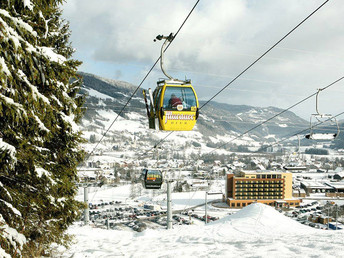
(174, 102)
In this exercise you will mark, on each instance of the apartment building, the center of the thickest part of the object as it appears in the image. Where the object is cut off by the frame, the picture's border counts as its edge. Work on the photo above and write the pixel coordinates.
(269, 187)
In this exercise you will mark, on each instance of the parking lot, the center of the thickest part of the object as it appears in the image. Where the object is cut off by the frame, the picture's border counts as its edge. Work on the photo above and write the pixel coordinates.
(116, 215)
(134, 217)
(312, 214)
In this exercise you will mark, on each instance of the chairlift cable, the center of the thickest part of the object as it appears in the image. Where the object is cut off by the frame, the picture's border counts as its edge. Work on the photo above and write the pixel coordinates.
(294, 125)
(266, 52)
(245, 70)
(138, 87)
(278, 114)
(162, 140)
(300, 132)
(264, 122)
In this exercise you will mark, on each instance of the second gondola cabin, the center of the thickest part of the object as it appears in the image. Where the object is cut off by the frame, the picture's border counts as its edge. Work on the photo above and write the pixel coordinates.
(151, 178)
(176, 105)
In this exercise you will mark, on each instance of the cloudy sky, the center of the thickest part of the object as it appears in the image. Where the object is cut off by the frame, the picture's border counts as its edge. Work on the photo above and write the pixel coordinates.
(114, 39)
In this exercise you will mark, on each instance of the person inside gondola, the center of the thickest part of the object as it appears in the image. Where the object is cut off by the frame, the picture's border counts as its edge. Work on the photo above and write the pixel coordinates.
(174, 101)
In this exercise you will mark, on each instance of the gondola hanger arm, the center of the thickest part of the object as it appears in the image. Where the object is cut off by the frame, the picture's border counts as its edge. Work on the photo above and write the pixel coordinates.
(168, 39)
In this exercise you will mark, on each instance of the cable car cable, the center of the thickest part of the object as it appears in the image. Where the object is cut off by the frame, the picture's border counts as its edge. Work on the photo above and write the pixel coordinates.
(162, 140)
(138, 87)
(285, 36)
(264, 122)
(300, 132)
(278, 114)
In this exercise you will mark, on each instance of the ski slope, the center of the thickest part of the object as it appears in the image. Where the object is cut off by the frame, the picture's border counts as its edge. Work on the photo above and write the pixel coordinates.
(257, 230)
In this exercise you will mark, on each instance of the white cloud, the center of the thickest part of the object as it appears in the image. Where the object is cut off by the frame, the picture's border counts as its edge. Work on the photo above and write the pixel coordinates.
(220, 39)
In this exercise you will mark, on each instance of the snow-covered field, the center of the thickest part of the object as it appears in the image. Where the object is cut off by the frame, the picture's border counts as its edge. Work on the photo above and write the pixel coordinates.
(255, 231)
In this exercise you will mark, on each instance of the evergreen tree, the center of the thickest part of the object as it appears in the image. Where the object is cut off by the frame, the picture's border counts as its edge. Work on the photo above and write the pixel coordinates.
(39, 138)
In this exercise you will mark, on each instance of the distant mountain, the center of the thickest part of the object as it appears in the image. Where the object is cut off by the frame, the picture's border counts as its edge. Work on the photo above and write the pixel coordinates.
(218, 122)
(107, 86)
(241, 118)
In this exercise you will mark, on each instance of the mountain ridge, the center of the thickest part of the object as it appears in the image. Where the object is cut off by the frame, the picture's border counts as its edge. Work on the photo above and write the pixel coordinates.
(216, 119)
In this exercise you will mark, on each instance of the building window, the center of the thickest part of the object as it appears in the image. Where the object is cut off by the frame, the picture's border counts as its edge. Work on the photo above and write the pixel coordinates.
(263, 176)
(279, 176)
(269, 176)
(273, 176)
(258, 176)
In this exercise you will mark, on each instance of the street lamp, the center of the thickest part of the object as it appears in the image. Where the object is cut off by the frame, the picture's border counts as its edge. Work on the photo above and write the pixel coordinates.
(206, 204)
(328, 215)
(336, 216)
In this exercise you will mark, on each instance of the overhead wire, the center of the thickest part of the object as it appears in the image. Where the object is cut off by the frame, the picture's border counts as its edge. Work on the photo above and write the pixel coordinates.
(262, 123)
(145, 77)
(278, 114)
(252, 64)
(298, 133)
(139, 111)
(222, 88)
(266, 52)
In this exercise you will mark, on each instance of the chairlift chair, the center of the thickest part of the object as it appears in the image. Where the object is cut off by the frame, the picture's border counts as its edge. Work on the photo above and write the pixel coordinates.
(297, 164)
(322, 118)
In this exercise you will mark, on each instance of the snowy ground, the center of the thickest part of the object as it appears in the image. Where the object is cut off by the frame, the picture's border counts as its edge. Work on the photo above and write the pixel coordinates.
(255, 231)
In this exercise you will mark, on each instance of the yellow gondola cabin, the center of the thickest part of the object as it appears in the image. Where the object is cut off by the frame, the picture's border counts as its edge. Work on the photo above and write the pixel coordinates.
(175, 106)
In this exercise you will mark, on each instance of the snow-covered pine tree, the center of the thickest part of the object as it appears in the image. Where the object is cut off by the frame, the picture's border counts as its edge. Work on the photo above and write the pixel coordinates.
(39, 137)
